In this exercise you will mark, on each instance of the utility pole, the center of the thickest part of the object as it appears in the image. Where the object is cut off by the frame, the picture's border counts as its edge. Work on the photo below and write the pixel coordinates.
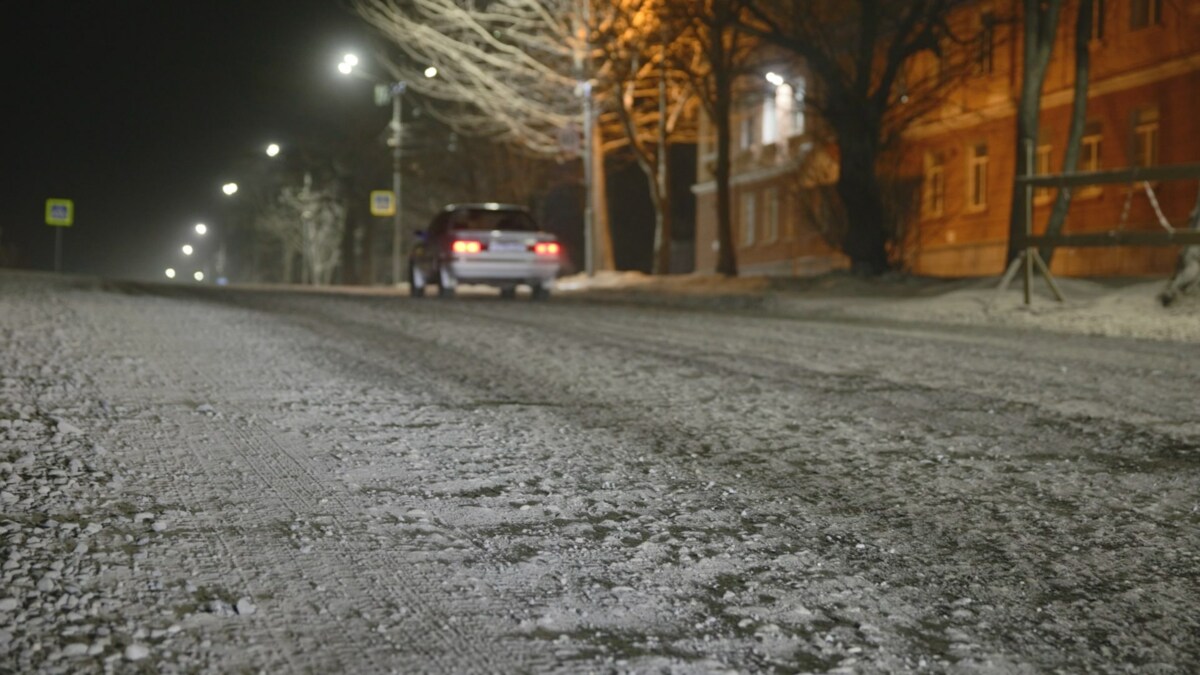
(398, 238)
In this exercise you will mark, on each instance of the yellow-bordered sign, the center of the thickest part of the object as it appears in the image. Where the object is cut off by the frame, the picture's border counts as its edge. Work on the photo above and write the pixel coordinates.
(60, 212)
(383, 203)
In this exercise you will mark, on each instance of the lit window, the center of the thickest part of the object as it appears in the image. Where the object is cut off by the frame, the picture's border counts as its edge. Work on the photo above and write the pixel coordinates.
(1145, 137)
(749, 213)
(1041, 167)
(770, 120)
(977, 177)
(1089, 147)
(933, 196)
(771, 221)
(1144, 13)
(746, 137)
(798, 106)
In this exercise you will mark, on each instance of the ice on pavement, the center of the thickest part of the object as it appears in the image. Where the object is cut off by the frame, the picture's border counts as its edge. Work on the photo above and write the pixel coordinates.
(294, 482)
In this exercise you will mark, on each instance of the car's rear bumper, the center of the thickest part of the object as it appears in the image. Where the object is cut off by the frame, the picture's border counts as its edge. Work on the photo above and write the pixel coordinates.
(482, 270)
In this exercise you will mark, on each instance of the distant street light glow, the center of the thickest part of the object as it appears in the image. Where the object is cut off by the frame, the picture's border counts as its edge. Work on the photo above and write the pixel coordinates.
(350, 60)
(272, 150)
(198, 276)
(229, 188)
(170, 272)
(345, 68)
(775, 79)
(431, 72)
(201, 229)
(187, 249)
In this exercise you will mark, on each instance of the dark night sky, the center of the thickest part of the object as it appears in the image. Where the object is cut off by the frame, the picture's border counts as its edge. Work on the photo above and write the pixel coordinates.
(140, 109)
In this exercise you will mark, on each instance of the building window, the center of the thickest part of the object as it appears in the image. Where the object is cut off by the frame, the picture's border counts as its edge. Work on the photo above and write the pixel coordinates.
(746, 134)
(1089, 156)
(977, 177)
(1041, 167)
(1144, 13)
(770, 120)
(1145, 137)
(933, 194)
(985, 60)
(1089, 147)
(749, 214)
(771, 215)
(1097, 32)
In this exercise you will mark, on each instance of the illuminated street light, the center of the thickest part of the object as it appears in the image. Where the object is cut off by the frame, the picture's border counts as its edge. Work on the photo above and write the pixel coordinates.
(170, 272)
(201, 229)
(272, 150)
(431, 72)
(394, 91)
(198, 276)
(229, 188)
(775, 79)
(187, 249)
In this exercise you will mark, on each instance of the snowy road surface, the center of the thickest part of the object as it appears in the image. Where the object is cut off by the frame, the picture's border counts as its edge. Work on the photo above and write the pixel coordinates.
(240, 481)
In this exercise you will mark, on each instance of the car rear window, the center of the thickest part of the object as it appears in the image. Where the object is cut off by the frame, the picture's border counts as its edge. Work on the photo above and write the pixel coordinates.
(482, 219)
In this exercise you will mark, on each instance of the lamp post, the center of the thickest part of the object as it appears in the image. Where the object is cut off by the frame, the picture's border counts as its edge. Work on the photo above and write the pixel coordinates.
(395, 91)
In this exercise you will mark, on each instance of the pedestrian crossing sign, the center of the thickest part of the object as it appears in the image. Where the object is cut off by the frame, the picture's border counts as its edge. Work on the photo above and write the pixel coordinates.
(60, 212)
(383, 203)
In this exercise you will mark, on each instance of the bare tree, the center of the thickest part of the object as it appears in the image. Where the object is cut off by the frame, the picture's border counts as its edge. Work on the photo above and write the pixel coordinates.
(308, 222)
(1083, 51)
(508, 70)
(859, 53)
(1040, 25)
(651, 100)
(721, 54)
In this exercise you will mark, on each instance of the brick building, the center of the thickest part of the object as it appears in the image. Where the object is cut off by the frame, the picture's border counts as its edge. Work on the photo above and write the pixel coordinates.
(1143, 108)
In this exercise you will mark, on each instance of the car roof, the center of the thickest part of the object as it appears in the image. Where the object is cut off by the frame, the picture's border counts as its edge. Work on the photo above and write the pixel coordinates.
(484, 206)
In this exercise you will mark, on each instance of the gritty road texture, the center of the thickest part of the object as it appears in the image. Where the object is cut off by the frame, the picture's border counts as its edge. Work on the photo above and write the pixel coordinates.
(228, 480)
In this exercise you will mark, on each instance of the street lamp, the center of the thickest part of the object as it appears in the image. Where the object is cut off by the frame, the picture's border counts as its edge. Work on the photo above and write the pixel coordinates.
(170, 272)
(229, 188)
(201, 229)
(272, 149)
(187, 249)
(395, 90)
(198, 275)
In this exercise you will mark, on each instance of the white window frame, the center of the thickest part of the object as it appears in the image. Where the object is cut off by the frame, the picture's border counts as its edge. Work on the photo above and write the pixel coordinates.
(771, 220)
(749, 215)
(933, 194)
(977, 177)
(1145, 136)
(1090, 147)
(769, 129)
(1042, 161)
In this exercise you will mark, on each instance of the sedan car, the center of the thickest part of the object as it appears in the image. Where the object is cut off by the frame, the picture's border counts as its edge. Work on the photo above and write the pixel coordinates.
(493, 244)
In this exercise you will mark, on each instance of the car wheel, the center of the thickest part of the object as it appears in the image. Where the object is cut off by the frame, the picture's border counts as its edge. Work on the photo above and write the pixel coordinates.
(508, 292)
(446, 282)
(540, 291)
(416, 281)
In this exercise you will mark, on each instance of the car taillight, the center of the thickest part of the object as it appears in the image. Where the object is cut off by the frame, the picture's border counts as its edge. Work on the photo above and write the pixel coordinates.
(546, 248)
(466, 246)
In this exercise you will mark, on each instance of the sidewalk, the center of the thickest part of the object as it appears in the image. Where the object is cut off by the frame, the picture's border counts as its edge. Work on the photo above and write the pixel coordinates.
(1110, 307)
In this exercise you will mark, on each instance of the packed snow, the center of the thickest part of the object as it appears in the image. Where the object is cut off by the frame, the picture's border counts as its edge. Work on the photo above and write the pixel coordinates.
(692, 475)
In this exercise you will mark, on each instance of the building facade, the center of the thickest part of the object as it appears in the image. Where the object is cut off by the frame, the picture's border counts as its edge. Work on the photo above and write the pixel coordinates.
(1143, 108)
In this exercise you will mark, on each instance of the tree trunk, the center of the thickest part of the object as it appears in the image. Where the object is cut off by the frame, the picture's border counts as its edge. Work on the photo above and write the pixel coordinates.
(726, 257)
(1083, 35)
(861, 196)
(662, 184)
(1040, 23)
(601, 234)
